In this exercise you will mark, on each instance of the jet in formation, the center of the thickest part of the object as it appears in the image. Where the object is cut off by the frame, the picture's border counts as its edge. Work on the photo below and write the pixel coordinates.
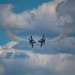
(32, 41)
(42, 41)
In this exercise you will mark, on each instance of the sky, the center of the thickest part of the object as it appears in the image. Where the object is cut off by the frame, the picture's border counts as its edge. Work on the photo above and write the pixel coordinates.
(19, 6)
(21, 18)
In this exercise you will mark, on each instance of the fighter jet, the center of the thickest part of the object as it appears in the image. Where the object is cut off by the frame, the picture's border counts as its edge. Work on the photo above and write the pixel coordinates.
(42, 41)
(31, 41)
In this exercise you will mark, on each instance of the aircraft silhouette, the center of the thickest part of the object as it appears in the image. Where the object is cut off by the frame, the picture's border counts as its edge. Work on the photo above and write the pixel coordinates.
(31, 41)
(42, 41)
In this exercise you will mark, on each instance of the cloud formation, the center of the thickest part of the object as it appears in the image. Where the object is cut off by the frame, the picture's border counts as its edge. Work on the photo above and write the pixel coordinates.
(44, 16)
(34, 20)
(54, 58)
(34, 64)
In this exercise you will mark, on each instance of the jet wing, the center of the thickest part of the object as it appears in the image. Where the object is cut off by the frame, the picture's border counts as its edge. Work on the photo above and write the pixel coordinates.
(32, 45)
(41, 44)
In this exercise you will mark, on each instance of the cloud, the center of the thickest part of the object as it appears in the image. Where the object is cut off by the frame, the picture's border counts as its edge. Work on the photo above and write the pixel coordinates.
(56, 39)
(43, 18)
(54, 58)
(40, 20)
(56, 64)
(1, 69)
(0, 49)
(67, 9)
(13, 19)
(49, 48)
(34, 63)
(9, 45)
(14, 54)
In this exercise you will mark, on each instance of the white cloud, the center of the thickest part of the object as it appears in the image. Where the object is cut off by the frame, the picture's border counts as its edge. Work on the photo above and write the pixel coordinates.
(57, 64)
(48, 24)
(9, 45)
(36, 63)
(54, 58)
(67, 9)
(44, 16)
(40, 20)
(15, 20)
(0, 49)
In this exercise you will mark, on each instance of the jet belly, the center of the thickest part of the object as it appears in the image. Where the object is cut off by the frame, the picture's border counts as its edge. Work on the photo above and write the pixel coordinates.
(40, 41)
(33, 41)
